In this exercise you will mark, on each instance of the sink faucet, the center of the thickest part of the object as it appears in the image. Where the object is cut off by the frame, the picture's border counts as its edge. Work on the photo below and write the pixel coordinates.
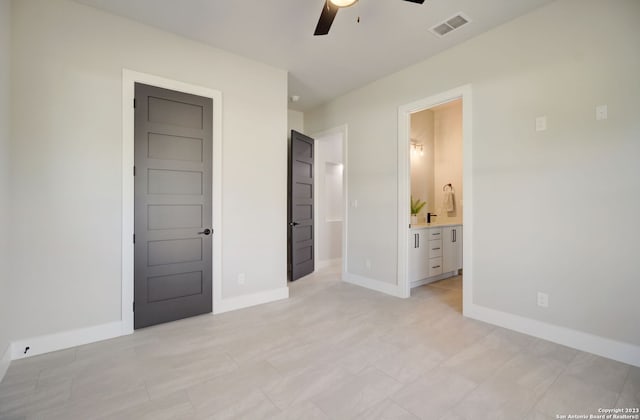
(429, 216)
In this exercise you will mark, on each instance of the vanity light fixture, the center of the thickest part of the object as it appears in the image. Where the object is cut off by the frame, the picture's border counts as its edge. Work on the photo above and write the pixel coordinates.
(417, 148)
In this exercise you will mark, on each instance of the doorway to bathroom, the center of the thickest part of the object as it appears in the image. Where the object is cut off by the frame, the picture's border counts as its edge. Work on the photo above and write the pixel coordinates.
(433, 141)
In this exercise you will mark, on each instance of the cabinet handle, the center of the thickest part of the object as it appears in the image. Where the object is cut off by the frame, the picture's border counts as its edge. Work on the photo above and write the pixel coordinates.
(418, 235)
(437, 266)
(434, 234)
(453, 235)
(435, 249)
(415, 240)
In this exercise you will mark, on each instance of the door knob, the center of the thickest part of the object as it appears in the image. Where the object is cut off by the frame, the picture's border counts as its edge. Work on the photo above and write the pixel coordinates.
(292, 224)
(205, 232)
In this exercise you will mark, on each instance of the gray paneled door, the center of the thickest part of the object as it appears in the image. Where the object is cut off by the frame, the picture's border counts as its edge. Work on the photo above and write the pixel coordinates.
(173, 236)
(300, 198)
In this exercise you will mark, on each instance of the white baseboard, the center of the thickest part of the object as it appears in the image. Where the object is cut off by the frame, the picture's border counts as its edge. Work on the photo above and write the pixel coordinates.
(64, 340)
(231, 304)
(5, 361)
(606, 347)
(67, 339)
(377, 285)
(432, 279)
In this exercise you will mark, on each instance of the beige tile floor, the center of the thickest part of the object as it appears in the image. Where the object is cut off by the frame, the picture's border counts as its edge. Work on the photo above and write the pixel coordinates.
(332, 351)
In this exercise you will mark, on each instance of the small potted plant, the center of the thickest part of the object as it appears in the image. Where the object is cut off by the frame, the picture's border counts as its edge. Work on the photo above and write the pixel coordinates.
(416, 206)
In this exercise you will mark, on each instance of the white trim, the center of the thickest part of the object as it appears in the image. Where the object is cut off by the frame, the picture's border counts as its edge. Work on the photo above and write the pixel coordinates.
(467, 183)
(344, 130)
(429, 280)
(5, 361)
(377, 285)
(612, 349)
(64, 340)
(404, 182)
(129, 78)
(240, 302)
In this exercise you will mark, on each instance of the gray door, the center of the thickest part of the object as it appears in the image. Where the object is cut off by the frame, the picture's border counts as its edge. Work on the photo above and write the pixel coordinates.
(300, 198)
(173, 144)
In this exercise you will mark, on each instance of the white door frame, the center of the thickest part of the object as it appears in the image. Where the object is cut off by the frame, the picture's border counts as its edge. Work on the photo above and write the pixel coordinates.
(129, 79)
(404, 185)
(344, 130)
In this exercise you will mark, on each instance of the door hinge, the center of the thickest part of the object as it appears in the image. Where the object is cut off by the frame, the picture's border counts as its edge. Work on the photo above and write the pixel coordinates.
(134, 238)
(134, 171)
(134, 102)
(134, 306)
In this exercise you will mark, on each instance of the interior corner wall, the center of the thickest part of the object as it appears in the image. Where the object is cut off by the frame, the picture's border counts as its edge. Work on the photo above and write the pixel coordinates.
(67, 61)
(295, 121)
(5, 88)
(553, 211)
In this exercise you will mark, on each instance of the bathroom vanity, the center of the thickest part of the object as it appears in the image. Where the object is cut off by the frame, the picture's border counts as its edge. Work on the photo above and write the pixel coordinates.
(435, 252)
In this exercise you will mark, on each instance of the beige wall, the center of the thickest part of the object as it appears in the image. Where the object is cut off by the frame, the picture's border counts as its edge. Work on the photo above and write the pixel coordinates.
(5, 87)
(67, 62)
(439, 131)
(553, 211)
(448, 159)
(422, 169)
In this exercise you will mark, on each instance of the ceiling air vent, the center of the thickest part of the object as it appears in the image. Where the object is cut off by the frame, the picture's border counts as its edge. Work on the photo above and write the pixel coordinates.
(450, 24)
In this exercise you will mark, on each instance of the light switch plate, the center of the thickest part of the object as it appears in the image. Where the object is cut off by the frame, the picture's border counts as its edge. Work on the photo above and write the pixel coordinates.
(543, 300)
(541, 123)
(601, 112)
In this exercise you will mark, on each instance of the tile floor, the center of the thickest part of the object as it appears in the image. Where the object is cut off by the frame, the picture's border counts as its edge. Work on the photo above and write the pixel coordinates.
(332, 351)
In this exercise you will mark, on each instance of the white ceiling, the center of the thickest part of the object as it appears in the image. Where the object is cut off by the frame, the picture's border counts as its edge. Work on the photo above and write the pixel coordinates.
(391, 35)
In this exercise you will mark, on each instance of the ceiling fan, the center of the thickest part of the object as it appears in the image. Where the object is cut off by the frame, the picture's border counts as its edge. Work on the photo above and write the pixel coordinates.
(330, 9)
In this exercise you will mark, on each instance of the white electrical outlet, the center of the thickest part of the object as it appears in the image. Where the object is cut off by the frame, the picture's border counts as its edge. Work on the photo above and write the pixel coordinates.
(543, 300)
(601, 112)
(367, 263)
(241, 279)
(541, 123)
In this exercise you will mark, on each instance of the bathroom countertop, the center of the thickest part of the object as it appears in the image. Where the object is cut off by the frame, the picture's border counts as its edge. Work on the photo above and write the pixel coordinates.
(432, 225)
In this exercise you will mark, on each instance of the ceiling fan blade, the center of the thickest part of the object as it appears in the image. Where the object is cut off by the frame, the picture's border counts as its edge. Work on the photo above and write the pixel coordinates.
(329, 12)
(416, 1)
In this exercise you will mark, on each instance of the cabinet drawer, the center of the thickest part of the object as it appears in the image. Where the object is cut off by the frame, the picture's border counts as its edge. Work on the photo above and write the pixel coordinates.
(435, 266)
(435, 248)
(434, 233)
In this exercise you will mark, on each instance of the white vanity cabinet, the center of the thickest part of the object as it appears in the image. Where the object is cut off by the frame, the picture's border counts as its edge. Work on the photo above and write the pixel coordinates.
(451, 248)
(435, 253)
(418, 248)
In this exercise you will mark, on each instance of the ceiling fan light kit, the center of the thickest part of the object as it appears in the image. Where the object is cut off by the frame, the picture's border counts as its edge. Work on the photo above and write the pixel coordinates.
(330, 9)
